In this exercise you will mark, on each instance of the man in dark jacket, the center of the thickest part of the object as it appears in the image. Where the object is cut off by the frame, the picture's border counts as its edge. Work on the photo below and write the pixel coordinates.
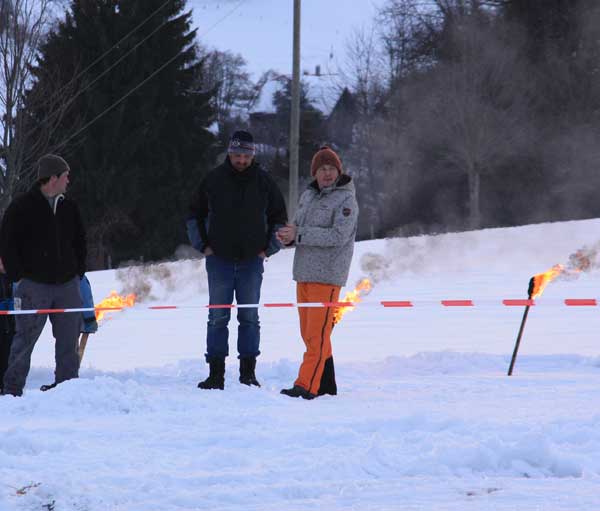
(43, 247)
(233, 219)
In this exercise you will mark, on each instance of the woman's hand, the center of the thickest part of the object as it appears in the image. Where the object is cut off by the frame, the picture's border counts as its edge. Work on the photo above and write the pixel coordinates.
(286, 234)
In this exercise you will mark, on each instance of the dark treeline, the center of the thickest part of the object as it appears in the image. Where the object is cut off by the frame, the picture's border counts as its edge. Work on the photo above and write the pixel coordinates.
(477, 114)
(115, 92)
(459, 114)
(451, 115)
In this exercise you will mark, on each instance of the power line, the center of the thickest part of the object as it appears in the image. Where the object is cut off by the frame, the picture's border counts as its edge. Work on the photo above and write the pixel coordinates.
(126, 36)
(114, 64)
(126, 95)
(120, 100)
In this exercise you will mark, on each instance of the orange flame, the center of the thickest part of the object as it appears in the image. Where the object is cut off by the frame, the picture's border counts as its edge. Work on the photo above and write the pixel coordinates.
(578, 262)
(582, 260)
(114, 300)
(541, 280)
(363, 287)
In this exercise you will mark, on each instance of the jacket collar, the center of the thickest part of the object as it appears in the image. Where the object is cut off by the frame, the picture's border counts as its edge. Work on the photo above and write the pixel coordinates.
(52, 202)
(246, 174)
(340, 182)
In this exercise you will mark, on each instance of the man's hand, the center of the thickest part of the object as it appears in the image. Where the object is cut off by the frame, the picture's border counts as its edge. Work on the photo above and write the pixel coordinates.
(2, 270)
(208, 251)
(262, 254)
(286, 234)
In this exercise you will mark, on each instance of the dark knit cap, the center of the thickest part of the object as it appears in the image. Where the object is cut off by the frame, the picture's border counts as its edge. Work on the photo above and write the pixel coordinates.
(51, 165)
(325, 156)
(241, 142)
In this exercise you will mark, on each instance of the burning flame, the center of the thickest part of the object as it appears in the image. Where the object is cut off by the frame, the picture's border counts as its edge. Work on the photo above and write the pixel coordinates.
(362, 288)
(114, 300)
(541, 280)
(580, 261)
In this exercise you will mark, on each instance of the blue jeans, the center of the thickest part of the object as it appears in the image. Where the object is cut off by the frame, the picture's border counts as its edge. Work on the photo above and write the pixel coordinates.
(225, 278)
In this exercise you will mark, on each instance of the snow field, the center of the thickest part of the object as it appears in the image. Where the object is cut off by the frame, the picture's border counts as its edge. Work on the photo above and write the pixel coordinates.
(425, 419)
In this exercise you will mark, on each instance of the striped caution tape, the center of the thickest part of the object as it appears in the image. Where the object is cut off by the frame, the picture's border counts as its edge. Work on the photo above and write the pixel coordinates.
(569, 302)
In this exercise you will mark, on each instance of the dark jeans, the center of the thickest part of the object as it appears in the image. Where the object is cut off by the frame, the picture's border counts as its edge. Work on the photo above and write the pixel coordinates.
(65, 328)
(226, 278)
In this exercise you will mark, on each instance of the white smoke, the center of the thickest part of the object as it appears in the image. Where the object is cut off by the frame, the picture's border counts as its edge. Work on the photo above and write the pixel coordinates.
(158, 281)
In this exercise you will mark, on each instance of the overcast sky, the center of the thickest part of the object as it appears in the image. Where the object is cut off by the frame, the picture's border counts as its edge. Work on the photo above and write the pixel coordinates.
(261, 30)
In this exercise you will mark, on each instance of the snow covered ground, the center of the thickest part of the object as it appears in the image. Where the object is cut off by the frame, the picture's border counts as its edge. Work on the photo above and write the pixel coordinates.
(425, 419)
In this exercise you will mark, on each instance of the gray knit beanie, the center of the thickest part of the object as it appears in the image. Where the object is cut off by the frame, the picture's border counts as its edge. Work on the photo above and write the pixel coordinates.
(51, 165)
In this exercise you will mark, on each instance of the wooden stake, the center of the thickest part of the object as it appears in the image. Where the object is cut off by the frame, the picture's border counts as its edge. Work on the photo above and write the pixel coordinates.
(82, 343)
(522, 327)
(514, 356)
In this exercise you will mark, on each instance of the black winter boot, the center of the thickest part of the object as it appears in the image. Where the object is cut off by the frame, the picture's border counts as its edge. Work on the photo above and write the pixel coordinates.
(297, 391)
(247, 367)
(216, 376)
(15, 393)
(328, 385)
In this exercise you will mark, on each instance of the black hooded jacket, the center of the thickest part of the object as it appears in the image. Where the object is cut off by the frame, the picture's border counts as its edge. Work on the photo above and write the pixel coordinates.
(238, 212)
(40, 245)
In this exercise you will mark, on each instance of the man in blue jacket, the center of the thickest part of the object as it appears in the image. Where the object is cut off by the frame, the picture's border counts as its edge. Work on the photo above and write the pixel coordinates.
(43, 247)
(232, 220)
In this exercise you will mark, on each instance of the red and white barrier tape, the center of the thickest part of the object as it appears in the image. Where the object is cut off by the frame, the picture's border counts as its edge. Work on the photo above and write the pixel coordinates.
(569, 302)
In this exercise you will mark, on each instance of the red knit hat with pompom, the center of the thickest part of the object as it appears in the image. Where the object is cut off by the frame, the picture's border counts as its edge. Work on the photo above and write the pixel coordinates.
(325, 156)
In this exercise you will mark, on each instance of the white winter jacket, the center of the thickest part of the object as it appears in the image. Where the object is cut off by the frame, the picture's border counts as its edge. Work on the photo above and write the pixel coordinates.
(326, 222)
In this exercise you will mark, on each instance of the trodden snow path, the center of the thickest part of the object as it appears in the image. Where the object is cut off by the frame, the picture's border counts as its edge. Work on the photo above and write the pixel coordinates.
(425, 417)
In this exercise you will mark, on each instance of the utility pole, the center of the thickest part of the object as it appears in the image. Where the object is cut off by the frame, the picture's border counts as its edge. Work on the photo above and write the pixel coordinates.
(295, 115)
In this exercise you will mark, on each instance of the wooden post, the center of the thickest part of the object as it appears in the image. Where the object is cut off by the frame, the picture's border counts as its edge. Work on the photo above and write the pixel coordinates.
(295, 116)
(82, 343)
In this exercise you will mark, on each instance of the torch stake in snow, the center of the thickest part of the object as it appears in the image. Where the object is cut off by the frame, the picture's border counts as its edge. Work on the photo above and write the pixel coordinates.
(582, 260)
(522, 327)
(537, 284)
(82, 344)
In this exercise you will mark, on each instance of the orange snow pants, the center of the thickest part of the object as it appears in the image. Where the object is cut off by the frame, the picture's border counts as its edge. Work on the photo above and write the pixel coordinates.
(316, 324)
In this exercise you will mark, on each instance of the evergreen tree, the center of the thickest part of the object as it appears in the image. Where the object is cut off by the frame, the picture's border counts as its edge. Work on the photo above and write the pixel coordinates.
(135, 131)
(282, 101)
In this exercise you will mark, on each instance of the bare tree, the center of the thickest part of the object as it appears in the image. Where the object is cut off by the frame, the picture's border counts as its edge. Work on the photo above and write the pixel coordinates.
(236, 93)
(364, 74)
(364, 68)
(476, 114)
(403, 27)
(23, 25)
